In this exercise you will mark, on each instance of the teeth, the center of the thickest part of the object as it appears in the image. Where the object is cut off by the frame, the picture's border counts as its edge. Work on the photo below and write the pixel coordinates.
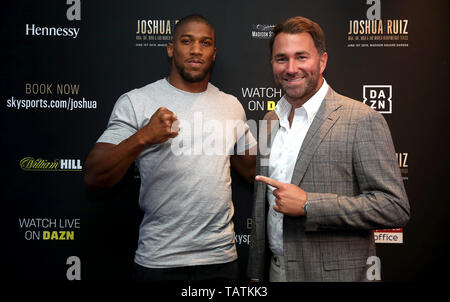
(294, 80)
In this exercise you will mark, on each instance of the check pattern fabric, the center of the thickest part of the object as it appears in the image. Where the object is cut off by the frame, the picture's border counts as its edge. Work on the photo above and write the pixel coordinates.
(348, 169)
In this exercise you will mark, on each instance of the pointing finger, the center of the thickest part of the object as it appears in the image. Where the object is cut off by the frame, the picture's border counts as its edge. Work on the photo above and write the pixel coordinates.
(269, 181)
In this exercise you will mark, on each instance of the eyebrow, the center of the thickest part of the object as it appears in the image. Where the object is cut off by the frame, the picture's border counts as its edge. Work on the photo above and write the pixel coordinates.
(192, 36)
(296, 54)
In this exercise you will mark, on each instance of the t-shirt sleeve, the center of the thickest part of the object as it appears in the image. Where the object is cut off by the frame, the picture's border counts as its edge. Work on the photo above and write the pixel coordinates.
(245, 138)
(122, 123)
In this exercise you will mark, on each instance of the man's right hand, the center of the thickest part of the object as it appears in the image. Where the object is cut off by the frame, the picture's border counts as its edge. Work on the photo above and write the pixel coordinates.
(163, 125)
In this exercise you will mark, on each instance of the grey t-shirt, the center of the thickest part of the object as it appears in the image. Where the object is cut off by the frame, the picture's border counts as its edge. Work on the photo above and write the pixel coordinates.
(185, 188)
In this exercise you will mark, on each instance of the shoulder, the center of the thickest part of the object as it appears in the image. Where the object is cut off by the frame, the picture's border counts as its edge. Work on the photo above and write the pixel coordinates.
(225, 98)
(215, 90)
(144, 97)
(354, 109)
(146, 91)
(138, 102)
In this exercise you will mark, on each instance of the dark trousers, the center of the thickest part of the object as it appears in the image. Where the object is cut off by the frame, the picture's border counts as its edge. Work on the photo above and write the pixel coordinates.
(213, 272)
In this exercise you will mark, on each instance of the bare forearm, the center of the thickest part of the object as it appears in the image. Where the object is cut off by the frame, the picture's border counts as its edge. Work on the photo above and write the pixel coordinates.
(245, 165)
(108, 163)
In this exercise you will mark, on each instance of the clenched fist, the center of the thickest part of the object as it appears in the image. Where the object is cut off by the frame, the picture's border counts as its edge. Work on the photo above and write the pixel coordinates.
(163, 125)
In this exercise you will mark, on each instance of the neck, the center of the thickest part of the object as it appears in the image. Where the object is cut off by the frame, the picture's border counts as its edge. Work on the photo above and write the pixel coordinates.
(176, 80)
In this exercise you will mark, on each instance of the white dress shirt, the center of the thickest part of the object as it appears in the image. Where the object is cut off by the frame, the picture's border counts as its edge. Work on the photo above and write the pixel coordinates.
(283, 156)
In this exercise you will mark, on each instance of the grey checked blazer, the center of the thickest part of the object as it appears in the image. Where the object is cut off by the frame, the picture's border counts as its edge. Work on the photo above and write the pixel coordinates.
(348, 169)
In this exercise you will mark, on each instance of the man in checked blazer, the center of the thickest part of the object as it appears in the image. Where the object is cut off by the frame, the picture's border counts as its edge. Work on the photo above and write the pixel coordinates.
(330, 174)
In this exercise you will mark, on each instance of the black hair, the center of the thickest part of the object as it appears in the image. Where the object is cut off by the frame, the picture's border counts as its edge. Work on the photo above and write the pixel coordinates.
(191, 18)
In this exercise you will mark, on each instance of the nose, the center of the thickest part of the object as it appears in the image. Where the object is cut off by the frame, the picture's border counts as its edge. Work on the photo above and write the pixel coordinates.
(291, 66)
(196, 48)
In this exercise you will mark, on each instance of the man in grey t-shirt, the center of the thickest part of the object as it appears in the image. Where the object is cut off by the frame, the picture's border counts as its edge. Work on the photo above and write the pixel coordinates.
(183, 133)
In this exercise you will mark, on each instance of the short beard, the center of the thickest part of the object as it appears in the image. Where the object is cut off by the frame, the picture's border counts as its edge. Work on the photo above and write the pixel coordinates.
(307, 90)
(188, 77)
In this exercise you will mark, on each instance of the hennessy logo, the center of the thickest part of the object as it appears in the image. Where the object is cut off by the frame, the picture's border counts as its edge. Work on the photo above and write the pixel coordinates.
(39, 164)
(378, 97)
(73, 14)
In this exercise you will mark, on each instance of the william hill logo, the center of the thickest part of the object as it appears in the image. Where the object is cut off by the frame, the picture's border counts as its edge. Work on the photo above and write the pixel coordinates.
(58, 165)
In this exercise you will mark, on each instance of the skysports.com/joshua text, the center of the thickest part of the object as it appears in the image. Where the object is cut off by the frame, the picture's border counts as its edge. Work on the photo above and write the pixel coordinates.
(68, 104)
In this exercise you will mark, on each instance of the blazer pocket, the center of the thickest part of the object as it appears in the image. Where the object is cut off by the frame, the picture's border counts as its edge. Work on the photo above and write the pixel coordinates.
(341, 264)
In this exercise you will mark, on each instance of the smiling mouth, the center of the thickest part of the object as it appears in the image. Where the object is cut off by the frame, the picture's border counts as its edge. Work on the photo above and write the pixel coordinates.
(294, 80)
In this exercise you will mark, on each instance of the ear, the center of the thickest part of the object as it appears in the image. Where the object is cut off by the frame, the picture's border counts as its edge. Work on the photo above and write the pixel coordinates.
(170, 50)
(323, 62)
(214, 55)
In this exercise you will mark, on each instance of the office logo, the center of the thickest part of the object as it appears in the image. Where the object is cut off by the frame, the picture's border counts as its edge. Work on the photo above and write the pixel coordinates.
(378, 97)
(388, 236)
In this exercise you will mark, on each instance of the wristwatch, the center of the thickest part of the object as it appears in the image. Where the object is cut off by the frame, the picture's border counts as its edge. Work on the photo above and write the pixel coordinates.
(305, 207)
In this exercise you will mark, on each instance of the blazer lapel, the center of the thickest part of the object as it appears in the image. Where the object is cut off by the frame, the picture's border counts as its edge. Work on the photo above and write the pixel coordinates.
(325, 118)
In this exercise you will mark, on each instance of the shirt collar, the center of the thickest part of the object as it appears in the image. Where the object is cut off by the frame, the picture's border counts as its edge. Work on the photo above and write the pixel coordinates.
(311, 106)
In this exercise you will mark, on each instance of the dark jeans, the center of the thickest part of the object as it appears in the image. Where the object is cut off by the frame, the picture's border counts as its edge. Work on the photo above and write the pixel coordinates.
(213, 272)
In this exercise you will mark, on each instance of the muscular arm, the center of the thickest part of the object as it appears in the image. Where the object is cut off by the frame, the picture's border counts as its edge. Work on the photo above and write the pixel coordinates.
(245, 164)
(107, 163)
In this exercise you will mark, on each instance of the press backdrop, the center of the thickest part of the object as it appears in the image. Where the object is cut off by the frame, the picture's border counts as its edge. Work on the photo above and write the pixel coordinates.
(65, 63)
